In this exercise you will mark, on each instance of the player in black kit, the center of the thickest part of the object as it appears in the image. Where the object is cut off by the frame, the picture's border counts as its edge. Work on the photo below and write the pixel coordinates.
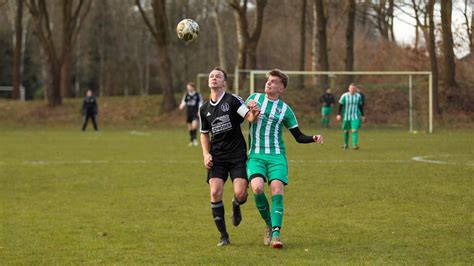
(192, 100)
(224, 148)
(89, 110)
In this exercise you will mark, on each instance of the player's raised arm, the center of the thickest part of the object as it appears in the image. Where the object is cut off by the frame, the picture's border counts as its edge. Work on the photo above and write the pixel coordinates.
(300, 137)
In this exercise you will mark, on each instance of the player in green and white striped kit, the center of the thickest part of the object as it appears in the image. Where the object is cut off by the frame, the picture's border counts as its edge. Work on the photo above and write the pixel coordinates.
(351, 106)
(267, 158)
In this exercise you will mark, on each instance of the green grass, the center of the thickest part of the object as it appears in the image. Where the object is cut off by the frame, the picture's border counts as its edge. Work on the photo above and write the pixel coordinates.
(69, 197)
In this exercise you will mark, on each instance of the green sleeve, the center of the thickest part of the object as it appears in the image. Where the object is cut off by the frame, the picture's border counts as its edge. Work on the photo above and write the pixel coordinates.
(289, 121)
(251, 97)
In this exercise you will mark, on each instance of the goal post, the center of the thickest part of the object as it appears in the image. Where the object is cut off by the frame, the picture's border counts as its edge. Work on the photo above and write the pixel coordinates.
(410, 74)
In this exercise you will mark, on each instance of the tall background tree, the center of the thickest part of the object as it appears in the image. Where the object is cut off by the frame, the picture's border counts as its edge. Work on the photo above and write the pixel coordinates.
(58, 56)
(247, 41)
(449, 70)
(160, 32)
(320, 46)
(350, 31)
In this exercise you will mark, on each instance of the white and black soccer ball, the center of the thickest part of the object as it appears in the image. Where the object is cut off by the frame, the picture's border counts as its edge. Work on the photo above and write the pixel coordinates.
(187, 30)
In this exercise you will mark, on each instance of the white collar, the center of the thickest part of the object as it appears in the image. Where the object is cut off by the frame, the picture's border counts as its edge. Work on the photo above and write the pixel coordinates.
(218, 100)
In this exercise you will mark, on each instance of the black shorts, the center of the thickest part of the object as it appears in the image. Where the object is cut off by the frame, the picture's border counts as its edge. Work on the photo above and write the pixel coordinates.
(236, 168)
(190, 118)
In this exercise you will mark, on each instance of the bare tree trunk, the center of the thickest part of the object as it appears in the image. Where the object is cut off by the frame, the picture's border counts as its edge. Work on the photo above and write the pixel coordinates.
(16, 75)
(448, 52)
(390, 20)
(349, 61)
(247, 42)
(220, 35)
(433, 57)
(59, 63)
(469, 25)
(471, 40)
(303, 40)
(161, 35)
(322, 48)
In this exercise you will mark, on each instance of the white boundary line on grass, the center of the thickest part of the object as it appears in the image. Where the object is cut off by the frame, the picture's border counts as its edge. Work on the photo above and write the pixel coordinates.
(140, 133)
(424, 159)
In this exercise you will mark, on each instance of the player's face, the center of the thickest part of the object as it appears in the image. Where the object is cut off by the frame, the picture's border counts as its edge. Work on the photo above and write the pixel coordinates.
(352, 89)
(274, 86)
(216, 79)
(190, 88)
(89, 93)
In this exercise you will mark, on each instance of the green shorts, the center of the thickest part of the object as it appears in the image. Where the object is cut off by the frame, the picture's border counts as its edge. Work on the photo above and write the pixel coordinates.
(326, 110)
(269, 167)
(351, 124)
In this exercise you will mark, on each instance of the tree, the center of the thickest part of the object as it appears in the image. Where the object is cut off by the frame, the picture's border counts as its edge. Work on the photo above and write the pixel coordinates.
(303, 39)
(432, 52)
(18, 51)
(449, 73)
(320, 49)
(469, 25)
(161, 35)
(58, 60)
(220, 34)
(247, 42)
(350, 29)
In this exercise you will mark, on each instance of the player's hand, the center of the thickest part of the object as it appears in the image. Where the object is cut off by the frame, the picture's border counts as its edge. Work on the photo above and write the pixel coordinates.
(253, 105)
(181, 106)
(318, 139)
(208, 160)
(338, 117)
(363, 118)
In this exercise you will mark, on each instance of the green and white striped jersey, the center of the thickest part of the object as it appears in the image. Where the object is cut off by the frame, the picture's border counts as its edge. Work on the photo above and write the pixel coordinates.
(351, 105)
(266, 133)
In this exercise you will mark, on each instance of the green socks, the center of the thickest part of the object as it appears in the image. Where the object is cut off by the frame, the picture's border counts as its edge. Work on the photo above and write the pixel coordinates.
(355, 138)
(346, 138)
(277, 214)
(263, 207)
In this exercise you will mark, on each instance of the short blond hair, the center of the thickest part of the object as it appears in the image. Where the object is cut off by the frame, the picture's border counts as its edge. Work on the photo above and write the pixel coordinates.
(278, 73)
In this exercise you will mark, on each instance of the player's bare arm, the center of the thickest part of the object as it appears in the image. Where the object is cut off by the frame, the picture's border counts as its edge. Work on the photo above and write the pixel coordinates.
(205, 143)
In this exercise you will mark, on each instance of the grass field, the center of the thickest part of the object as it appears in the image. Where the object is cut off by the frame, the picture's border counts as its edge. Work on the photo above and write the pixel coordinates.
(123, 197)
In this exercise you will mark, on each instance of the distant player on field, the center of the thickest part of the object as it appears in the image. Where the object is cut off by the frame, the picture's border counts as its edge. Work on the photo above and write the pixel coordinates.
(351, 110)
(267, 159)
(326, 110)
(89, 110)
(192, 100)
(224, 149)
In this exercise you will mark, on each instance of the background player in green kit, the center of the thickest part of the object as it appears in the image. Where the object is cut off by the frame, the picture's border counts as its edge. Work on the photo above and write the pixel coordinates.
(267, 158)
(351, 106)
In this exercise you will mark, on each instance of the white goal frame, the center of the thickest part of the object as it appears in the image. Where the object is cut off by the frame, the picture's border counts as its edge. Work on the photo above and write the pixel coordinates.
(410, 74)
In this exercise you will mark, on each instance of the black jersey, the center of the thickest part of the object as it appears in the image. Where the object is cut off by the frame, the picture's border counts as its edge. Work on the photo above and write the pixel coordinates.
(89, 105)
(192, 102)
(222, 120)
(327, 99)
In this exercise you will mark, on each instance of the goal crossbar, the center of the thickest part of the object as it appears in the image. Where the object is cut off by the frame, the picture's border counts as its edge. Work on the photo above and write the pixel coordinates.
(410, 75)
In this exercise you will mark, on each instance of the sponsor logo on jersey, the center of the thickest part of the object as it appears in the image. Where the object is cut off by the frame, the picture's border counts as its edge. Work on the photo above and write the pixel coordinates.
(221, 124)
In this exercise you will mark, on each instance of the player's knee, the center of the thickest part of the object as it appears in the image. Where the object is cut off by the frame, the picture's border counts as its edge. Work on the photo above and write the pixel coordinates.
(257, 189)
(354, 130)
(241, 196)
(345, 131)
(216, 194)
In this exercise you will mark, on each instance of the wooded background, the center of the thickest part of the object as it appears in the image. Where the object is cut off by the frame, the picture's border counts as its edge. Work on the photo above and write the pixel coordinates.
(59, 48)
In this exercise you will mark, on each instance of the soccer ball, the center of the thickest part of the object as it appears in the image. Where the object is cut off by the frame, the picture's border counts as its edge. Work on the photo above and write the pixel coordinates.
(187, 30)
